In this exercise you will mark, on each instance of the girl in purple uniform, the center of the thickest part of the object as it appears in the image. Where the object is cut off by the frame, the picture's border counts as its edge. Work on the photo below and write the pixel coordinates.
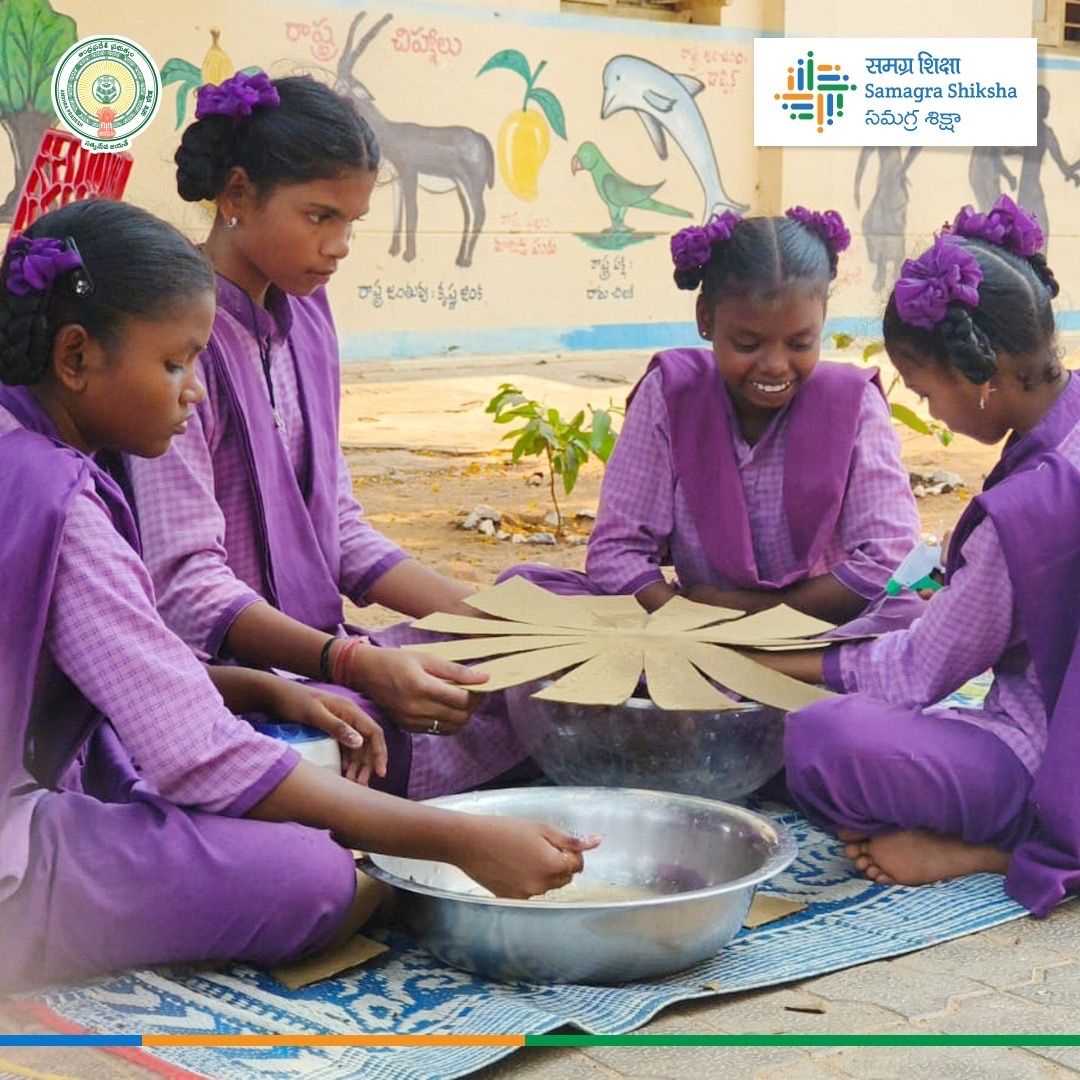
(141, 822)
(763, 476)
(250, 528)
(922, 794)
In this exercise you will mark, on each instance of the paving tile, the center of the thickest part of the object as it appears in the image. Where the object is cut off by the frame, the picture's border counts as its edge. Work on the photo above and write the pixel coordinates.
(996, 961)
(683, 1062)
(906, 990)
(954, 1062)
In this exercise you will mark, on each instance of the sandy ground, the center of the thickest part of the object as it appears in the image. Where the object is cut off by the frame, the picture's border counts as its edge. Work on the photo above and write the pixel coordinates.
(423, 454)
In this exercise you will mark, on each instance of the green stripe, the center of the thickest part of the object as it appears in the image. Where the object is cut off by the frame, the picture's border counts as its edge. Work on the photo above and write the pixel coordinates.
(803, 1040)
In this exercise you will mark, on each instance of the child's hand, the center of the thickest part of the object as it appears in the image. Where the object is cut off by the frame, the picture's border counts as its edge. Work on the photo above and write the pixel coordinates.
(363, 745)
(420, 693)
(517, 858)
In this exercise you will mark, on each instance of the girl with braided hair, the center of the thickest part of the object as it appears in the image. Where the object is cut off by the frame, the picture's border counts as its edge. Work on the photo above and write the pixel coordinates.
(921, 794)
(141, 822)
(250, 526)
(762, 475)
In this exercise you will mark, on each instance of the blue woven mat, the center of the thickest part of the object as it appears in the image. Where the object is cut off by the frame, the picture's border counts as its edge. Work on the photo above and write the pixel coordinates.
(848, 921)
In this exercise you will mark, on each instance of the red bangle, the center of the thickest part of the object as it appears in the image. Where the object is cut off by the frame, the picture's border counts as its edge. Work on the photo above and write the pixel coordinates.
(340, 661)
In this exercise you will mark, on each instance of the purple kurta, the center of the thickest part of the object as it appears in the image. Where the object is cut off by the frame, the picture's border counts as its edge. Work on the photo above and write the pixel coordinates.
(89, 668)
(1010, 564)
(822, 491)
(255, 502)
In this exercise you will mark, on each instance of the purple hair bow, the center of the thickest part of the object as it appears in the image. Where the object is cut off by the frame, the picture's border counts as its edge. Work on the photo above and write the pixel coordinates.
(945, 274)
(1006, 226)
(828, 224)
(236, 97)
(691, 248)
(34, 264)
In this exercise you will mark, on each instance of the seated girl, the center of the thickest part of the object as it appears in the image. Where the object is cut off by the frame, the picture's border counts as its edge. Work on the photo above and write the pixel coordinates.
(921, 793)
(763, 476)
(185, 835)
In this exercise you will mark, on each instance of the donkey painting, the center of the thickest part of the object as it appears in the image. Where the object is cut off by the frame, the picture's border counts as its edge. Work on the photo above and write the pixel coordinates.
(437, 159)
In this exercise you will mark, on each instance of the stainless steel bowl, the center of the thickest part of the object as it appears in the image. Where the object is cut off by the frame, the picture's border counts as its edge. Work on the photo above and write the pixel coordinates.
(720, 755)
(669, 886)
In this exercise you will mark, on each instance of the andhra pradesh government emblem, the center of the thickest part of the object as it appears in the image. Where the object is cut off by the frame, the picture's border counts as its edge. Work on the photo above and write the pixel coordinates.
(106, 89)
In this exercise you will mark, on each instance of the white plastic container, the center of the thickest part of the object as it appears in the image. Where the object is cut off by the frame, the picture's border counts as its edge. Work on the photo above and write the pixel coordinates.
(310, 743)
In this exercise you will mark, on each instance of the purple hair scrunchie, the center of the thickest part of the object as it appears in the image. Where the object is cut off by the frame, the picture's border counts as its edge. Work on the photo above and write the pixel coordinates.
(1006, 225)
(828, 224)
(34, 264)
(237, 96)
(691, 248)
(944, 274)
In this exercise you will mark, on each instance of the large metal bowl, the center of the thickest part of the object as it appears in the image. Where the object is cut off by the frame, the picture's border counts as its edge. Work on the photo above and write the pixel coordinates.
(669, 886)
(720, 755)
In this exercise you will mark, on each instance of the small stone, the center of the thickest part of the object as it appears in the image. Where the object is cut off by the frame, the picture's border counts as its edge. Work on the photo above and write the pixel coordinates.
(551, 518)
(517, 538)
(578, 541)
(585, 515)
(534, 479)
(542, 538)
(479, 514)
(502, 534)
(919, 491)
(487, 527)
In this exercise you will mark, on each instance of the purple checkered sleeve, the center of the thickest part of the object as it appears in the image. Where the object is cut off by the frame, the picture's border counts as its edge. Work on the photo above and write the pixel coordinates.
(966, 628)
(198, 526)
(105, 635)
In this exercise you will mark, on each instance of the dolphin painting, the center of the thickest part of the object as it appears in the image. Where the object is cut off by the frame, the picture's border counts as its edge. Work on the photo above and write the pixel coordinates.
(665, 103)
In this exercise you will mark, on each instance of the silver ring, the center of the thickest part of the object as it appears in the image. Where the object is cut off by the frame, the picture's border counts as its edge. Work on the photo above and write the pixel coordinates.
(434, 729)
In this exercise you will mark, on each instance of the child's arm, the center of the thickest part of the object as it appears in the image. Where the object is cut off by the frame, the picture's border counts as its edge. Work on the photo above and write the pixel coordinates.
(509, 856)
(636, 516)
(416, 590)
(363, 743)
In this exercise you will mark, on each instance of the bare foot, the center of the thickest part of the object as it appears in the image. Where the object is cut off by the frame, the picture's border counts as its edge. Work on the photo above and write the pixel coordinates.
(854, 843)
(917, 857)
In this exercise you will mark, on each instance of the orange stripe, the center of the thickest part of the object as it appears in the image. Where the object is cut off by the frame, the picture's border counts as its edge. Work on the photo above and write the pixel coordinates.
(820, 109)
(825, 67)
(797, 97)
(333, 1040)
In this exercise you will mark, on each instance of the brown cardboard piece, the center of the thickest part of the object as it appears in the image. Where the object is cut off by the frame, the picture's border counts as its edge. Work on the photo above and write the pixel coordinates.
(330, 962)
(766, 909)
(601, 645)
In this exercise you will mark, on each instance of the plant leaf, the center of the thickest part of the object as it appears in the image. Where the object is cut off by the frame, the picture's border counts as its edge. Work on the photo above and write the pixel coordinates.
(907, 417)
(511, 60)
(842, 341)
(552, 109)
(873, 349)
(177, 69)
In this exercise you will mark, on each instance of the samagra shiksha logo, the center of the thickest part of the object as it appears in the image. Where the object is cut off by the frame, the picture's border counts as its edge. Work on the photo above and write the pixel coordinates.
(815, 92)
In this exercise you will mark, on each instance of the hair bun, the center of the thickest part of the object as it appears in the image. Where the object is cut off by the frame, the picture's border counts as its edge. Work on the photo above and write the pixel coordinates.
(202, 158)
(1043, 272)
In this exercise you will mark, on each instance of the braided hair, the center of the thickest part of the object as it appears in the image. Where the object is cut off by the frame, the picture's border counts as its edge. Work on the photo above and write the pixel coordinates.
(138, 266)
(762, 256)
(312, 134)
(1014, 316)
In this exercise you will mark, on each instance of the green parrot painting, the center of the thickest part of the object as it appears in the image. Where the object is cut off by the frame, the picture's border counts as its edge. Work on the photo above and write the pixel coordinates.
(619, 194)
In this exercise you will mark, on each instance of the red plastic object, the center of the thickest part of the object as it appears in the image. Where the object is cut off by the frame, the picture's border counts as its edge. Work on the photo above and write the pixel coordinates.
(64, 171)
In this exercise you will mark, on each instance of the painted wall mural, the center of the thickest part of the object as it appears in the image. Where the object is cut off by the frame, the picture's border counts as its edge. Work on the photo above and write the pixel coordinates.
(438, 160)
(536, 164)
(34, 37)
(665, 104)
(524, 136)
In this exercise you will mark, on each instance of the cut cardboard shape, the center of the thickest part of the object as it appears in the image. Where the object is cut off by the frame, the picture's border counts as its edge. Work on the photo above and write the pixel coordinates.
(767, 909)
(600, 646)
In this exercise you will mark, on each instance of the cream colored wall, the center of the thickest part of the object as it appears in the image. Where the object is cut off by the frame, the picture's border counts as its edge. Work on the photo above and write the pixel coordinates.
(538, 280)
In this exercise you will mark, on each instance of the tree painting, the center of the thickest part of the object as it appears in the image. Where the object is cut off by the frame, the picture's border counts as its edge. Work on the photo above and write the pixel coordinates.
(33, 37)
